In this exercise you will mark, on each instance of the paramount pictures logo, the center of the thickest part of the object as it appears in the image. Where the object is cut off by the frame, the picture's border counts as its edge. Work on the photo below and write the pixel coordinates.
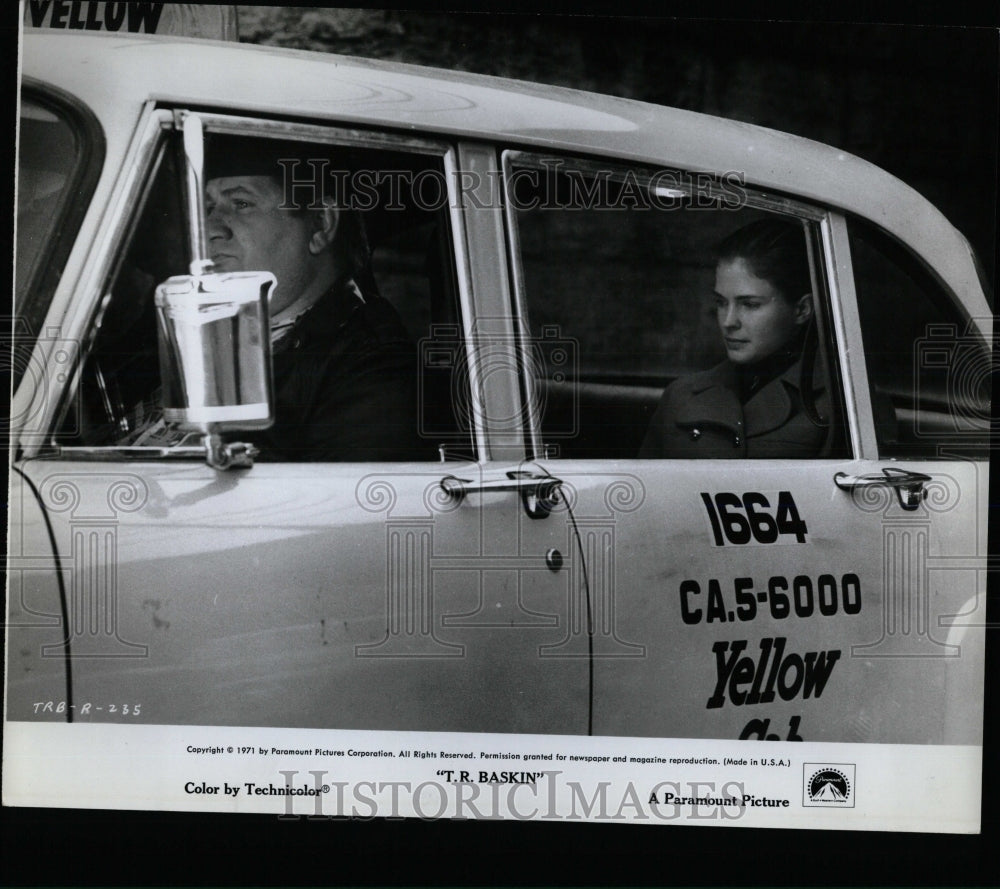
(828, 784)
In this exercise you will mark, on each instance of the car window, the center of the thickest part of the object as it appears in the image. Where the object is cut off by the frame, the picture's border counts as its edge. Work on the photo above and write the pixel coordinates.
(929, 370)
(59, 150)
(333, 370)
(618, 285)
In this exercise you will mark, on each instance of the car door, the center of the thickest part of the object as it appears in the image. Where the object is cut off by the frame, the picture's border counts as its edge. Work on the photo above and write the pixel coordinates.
(836, 596)
(430, 595)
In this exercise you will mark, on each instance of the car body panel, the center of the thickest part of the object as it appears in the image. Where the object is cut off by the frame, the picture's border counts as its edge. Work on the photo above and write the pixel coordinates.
(310, 596)
(666, 650)
(35, 629)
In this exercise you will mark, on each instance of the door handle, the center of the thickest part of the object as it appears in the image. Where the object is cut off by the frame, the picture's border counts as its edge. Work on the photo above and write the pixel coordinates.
(538, 492)
(909, 486)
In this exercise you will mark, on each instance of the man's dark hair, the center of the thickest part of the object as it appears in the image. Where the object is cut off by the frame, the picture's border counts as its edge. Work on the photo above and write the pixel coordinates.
(248, 156)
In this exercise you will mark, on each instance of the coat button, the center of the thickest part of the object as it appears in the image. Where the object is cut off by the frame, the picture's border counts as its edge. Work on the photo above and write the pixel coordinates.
(695, 434)
(737, 441)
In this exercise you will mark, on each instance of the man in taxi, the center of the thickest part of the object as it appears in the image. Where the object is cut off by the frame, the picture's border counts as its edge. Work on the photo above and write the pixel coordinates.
(344, 367)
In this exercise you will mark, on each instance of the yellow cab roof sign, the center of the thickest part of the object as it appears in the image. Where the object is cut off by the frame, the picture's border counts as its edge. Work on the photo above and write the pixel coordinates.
(178, 19)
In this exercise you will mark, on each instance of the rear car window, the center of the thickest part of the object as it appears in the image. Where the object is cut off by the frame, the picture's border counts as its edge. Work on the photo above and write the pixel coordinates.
(929, 370)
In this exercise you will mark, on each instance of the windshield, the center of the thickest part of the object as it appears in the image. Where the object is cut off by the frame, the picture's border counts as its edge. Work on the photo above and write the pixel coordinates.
(44, 169)
(54, 150)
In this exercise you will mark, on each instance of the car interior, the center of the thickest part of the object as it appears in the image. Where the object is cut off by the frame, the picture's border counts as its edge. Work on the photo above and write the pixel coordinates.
(618, 291)
(617, 307)
(411, 267)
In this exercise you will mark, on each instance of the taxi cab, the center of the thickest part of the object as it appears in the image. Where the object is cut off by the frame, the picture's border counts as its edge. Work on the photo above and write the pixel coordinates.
(550, 254)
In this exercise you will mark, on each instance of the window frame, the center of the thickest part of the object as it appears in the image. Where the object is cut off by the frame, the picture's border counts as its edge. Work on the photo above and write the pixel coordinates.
(128, 200)
(943, 298)
(79, 190)
(832, 330)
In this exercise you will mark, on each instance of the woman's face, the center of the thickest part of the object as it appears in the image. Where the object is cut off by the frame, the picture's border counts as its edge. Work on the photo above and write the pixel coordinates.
(754, 317)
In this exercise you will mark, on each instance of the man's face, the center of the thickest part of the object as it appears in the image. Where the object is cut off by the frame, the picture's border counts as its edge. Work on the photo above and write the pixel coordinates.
(247, 232)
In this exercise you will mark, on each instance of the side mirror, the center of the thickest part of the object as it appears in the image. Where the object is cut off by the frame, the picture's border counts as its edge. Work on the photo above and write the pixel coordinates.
(215, 353)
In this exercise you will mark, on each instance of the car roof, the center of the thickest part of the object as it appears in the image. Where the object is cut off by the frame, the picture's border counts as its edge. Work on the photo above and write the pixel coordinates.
(115, 75)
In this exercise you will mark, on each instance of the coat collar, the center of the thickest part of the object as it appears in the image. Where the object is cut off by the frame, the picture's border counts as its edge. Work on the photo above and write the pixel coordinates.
(714, 401)
(323, 318)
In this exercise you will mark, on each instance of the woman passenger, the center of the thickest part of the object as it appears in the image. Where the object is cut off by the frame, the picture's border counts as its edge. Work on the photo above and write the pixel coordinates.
(750, 405)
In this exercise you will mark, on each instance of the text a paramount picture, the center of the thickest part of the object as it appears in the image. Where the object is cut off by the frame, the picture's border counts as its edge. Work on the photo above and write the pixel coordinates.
(396, 441)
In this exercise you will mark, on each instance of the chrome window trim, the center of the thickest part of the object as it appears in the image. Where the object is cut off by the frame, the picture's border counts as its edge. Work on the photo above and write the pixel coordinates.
(139, 168)
(847, 329)
(78, 323)
(643, 173)
(319, 133)
(466, 298)
(83, 178)
(492, 322)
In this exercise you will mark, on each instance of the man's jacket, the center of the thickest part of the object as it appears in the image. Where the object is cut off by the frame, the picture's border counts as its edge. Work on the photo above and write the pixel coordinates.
(345, 385)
